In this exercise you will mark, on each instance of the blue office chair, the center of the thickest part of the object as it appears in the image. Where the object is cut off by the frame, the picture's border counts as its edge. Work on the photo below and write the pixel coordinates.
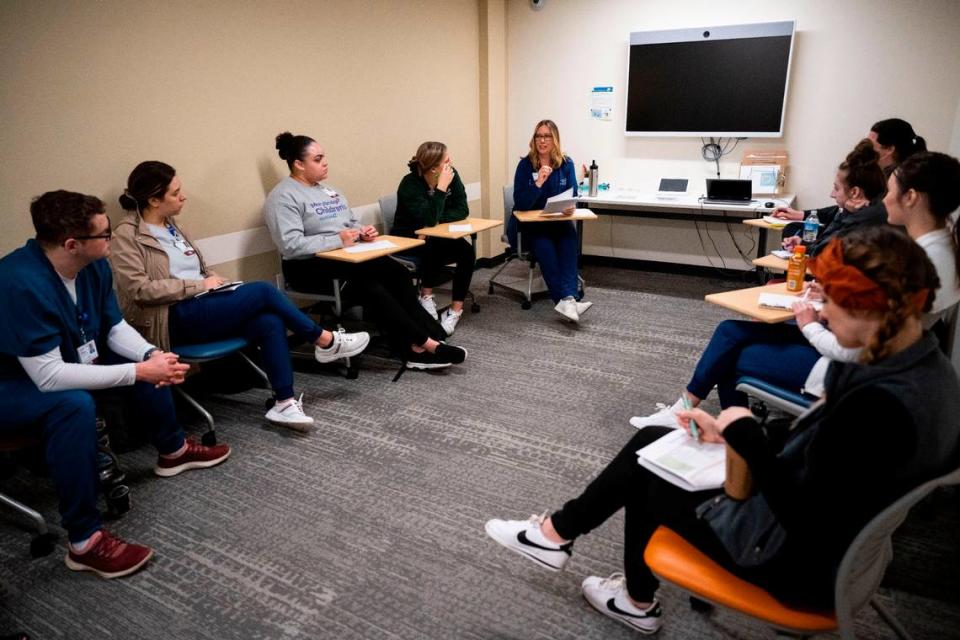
(771, 395)
(206, 352)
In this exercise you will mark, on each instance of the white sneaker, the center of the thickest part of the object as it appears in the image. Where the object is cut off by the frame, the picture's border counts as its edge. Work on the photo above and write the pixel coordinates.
(664, 417)
(291, 415)
(524, 537)
(344, 345)
(449, 320)
(609, 597)
(568, 309)
(429, 304)
(582, 307)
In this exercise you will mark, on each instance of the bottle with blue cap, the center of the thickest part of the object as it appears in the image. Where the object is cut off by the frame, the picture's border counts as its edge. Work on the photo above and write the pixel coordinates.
(811, 227)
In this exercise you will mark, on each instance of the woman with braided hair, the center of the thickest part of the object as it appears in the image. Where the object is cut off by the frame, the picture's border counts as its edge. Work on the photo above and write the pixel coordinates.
(886, 425)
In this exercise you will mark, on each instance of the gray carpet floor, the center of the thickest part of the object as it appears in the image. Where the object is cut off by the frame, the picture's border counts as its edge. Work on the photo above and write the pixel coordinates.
(372, 525)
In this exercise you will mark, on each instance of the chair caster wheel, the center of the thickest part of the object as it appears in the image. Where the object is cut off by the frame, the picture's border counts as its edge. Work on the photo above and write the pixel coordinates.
(353, 373)
(490, 290)
(42, 545)
(269, 402)
(209, 439)
(525, 305)
(700, 606)
(474, 308)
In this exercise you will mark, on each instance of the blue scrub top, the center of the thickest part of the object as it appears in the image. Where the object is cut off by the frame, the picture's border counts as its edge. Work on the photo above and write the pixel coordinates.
(37, 313)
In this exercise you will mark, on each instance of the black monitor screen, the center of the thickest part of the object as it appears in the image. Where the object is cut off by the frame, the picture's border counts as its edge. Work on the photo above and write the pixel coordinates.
(713, 85)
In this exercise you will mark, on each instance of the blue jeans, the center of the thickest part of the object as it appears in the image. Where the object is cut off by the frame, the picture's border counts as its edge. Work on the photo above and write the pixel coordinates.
(67, 422)
(256, 311)
(556, 247)
(776, 353)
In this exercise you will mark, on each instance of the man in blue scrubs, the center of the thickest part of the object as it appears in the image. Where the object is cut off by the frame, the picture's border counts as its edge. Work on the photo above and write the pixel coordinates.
(59, 327)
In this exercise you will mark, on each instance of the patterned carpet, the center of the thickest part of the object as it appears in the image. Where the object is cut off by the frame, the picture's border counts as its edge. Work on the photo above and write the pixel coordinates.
(372, 525)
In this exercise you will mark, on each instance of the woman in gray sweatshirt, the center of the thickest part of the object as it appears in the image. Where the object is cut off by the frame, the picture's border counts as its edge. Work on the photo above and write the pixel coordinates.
(306, 216)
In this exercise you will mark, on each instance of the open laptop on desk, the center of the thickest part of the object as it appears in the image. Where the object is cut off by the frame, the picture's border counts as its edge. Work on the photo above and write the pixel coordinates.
(739, 192)
(671, 188)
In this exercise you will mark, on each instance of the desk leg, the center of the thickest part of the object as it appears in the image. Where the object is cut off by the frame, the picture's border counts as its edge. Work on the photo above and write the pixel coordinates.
(761, 251)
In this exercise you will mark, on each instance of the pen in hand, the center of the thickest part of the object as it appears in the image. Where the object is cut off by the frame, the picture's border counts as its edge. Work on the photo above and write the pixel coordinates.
(694, 431)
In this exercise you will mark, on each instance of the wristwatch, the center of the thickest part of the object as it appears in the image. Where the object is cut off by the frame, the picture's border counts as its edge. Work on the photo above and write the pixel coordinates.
(150, 352)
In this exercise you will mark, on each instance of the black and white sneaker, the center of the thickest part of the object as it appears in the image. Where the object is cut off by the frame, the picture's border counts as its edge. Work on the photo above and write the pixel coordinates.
(455, 355)
(609, 597)
(524, 537)
(425, 361)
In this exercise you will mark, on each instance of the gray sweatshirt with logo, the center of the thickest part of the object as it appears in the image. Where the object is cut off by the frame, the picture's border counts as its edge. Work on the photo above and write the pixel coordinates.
(305, 220)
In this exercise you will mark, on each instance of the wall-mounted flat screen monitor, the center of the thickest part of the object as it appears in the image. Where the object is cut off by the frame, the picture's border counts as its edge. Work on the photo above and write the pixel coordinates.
(710, 81)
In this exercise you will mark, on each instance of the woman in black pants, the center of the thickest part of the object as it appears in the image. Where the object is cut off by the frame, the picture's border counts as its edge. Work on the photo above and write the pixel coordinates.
(887, 425)
(430, 194)
(306, 216)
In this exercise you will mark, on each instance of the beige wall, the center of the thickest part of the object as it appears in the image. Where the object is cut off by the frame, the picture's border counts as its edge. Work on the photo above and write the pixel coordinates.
(855, 62)
(92, 88)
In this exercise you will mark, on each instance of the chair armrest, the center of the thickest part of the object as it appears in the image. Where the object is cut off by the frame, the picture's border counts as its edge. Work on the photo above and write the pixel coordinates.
(792, 403)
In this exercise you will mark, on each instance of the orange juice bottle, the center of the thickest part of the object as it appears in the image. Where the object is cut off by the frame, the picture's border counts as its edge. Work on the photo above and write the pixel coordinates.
(797, 269)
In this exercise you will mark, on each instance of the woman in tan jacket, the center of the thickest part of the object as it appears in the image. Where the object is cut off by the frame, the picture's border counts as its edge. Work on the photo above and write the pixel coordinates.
(167, 292)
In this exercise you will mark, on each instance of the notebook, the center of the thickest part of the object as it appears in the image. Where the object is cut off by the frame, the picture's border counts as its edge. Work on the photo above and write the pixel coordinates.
(684, 462)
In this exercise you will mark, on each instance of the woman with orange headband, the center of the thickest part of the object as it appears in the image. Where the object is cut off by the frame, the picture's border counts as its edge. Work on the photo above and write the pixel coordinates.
(887, 424)
(922, 193)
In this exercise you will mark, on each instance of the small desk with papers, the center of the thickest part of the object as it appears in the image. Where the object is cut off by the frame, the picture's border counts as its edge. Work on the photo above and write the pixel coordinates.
(745, 301)
(364, 251)
(459, 229)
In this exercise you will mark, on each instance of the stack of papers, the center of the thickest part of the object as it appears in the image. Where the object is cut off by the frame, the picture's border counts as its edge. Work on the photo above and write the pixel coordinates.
(561, 201)
(775, 222)
(369, 246)
(684, 462)
(458, 228)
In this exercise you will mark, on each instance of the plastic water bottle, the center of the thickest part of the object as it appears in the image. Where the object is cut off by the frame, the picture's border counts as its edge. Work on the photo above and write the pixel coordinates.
(593, 178)
(811, 227)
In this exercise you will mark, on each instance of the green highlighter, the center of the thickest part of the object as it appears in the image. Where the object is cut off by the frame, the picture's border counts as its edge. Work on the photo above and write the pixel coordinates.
(693, 425)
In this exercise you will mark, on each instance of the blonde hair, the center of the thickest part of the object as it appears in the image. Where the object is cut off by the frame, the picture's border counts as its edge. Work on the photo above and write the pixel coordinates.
(556, 156)
(429, 155)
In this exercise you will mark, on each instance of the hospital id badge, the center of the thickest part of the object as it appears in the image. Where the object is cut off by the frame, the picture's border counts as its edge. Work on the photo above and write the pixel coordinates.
(87, 352)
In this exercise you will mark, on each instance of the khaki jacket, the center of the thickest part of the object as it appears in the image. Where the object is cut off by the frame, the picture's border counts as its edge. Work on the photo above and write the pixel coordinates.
(145, 289)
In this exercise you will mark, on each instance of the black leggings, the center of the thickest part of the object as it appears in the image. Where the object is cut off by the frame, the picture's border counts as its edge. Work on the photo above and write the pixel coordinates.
(648, 501)
(386, 292)
(439, 252)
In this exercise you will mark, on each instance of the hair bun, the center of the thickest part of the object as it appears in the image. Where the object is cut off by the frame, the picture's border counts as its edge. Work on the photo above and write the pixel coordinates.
(863, 153)
(127, 202)
(285, 144)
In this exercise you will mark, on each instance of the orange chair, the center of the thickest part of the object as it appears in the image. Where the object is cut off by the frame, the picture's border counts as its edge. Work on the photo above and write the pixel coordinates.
(672, 559)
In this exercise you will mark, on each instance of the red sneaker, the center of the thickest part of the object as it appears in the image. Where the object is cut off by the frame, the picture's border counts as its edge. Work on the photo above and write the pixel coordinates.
(109, 557)
(196, 456)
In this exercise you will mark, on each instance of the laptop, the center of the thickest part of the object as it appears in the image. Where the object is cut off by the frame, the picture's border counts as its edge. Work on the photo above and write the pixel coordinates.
(729, 191)
(671, 188)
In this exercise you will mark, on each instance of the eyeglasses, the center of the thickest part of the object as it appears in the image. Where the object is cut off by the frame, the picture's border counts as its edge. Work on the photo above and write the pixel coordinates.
(543, 136)
(106, 235)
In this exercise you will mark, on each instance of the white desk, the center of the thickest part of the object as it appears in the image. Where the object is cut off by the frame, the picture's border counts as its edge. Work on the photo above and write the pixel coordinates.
(687, 206)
